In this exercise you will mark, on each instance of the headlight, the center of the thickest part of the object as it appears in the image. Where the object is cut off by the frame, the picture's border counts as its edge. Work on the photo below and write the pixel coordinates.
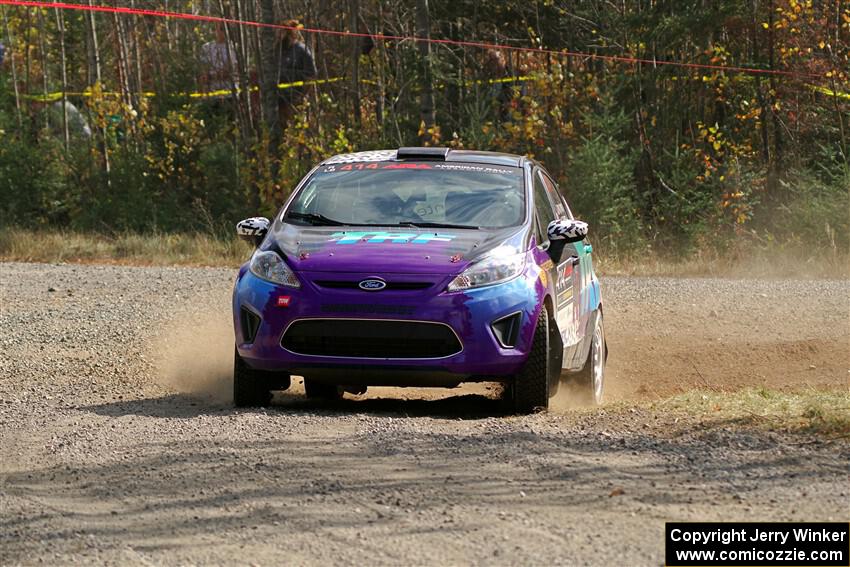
(500, 265)
(271, 267)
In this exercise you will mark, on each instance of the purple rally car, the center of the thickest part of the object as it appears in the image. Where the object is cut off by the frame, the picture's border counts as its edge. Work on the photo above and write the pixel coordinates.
(420, 267)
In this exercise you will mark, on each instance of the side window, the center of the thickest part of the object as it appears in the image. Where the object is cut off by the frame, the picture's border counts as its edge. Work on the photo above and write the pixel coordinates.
(537, 232)
(543, 207)
(561, 208)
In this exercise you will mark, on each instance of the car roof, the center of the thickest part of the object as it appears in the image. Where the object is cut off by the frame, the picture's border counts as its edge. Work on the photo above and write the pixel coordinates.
(456, 156)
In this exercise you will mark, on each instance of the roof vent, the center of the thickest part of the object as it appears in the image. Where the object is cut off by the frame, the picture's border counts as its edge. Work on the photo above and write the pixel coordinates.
(423, 153)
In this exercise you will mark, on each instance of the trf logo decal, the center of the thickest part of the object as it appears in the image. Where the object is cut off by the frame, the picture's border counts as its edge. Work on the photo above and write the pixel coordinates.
(380, 237)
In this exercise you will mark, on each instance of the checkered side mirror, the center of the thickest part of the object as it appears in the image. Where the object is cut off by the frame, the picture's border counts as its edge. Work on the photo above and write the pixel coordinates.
(253, 229)
(566, 229)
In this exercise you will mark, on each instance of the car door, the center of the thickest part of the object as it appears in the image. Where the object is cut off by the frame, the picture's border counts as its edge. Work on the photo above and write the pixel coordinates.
(578, 254)
(566, 274)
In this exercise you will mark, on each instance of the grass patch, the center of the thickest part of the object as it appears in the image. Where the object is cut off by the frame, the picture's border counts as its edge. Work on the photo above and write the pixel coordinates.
(769, 262)
(123, 248)
(819, 412)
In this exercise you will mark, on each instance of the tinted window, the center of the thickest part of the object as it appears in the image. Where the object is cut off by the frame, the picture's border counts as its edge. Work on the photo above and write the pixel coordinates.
(390, 193)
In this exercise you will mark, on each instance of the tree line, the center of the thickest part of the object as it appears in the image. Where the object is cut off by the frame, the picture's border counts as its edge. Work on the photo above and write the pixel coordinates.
(105, 125)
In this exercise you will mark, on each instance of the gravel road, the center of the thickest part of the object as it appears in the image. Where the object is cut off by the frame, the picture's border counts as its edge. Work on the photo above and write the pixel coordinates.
(117, 445)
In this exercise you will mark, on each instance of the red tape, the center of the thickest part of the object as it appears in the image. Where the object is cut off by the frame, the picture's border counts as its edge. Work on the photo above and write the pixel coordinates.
(386, 37)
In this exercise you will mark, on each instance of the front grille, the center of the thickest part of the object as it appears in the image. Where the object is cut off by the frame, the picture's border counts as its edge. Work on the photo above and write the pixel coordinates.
(370, 338)
(391, 286)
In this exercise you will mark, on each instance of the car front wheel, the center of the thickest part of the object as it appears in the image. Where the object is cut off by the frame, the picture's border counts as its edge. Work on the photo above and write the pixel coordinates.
(251, 388)
(531, 385)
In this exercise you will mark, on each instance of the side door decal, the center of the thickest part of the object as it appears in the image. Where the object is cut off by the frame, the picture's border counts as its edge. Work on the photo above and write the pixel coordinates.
(566, 300)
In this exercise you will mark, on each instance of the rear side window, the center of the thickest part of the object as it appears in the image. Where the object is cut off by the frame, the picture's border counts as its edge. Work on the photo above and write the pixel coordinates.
(398, 193)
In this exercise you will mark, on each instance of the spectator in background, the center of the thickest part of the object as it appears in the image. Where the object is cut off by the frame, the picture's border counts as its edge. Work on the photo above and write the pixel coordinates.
(295, 63)
(51, 114)
(2, 54)
(77, 124)
(219, 63)
(500, 90)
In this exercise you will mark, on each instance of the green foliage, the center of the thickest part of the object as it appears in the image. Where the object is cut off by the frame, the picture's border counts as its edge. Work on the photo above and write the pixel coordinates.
(32, 185)
(32, 179)
(600, 184)
(816, 213)
(679, 206)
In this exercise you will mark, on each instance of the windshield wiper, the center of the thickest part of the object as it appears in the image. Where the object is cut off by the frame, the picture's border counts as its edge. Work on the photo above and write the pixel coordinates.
(321, 220)
(435, 225)
(315, 219)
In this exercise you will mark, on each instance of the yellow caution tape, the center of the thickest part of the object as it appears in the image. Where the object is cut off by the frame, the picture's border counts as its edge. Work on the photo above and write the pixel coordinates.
(519, 79)
(829, 92)
(56, 96)
(280, 86)
(53, 97)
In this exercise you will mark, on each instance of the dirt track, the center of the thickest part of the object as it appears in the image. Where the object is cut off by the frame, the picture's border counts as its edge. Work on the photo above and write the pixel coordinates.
(113, 450)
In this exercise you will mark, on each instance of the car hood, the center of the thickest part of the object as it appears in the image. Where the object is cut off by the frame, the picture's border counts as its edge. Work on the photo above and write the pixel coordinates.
(386, 249)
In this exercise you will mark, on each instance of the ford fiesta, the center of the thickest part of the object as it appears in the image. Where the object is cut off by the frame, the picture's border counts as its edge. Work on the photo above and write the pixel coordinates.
(420, 267)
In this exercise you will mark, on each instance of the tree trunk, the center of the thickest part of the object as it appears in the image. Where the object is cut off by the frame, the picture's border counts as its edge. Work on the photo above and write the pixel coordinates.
(27, 53)
(94, 44)
(778, 142)
(14, 70)
(42, 50)
(269, 70)
(426, 100)
(234, 71)
(245, 61)
(379, 103)
(96, 52)
(140, 87)
(122, 66)
(355, 62)
(765, 138)
(60, 24)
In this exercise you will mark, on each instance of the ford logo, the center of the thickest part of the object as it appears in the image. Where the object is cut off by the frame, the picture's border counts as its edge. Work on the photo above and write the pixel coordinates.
(372, 285)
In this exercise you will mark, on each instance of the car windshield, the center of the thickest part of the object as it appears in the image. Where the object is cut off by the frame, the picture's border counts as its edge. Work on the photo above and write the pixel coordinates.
(425, 194)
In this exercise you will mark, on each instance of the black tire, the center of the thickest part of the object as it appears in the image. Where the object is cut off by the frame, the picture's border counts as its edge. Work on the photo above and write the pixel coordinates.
(250, 387)
(322, 391)
(587, 390)
(531, 385)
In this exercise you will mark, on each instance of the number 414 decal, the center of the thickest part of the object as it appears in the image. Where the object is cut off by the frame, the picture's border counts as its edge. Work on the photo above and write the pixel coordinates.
(373, 165)
(351, 167)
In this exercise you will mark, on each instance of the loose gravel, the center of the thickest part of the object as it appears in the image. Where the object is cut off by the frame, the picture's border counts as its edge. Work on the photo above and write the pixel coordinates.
(118, 445)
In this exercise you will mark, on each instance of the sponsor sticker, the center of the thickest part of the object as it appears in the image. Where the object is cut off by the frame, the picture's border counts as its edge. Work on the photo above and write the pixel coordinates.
(382, 236)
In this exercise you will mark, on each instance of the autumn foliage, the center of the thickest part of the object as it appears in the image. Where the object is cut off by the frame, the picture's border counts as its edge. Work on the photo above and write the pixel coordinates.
(656, 156)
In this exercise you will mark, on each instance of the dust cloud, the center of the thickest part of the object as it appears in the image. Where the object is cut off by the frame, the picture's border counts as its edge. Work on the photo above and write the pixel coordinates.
(193, 353)
(568, 398)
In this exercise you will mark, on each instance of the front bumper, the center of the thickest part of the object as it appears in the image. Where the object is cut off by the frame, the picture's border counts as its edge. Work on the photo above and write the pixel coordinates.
(468, 314)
